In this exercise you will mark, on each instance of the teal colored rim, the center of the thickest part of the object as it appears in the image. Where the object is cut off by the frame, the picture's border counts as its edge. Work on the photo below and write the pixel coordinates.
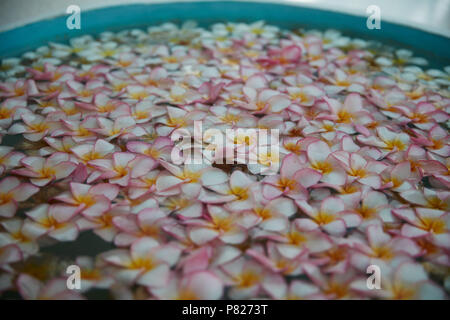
(435, 48)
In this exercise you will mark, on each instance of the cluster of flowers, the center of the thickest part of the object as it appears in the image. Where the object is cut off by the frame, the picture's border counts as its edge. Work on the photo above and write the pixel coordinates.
(363, 180)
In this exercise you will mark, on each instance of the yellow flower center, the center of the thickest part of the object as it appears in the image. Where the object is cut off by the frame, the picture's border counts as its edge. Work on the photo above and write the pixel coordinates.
(324, 167)
(434, 225)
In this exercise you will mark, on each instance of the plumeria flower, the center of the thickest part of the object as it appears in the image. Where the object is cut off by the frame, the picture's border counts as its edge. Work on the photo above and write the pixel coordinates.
(293, 242)
(12, 191)
(42, 171)
(146, 263)
(382, 249)
(10, 110)
(15, 233)
(264, 101)
(161, 148)
(277, 288)
(191, 287)
(272, 259)
(147, 223)
(91, 200)
(436, 141)
(334, 286)
(120, 169)
(386, 140)
(220, 224)
(102, 223)
(124, 127)
(305, 96)
(93, 274)
(9, 254)
(321, 159)
(55, 221)
(88, 152)
(397, 178)
(245, 278)
(372, 206)
(293, 181)
(34, 126)
(19, 89)
(270, 215)
(31, 288)
(359, 169)
(10, 67)
(425, 222)
(330, 217)
(83, 93)
(101, 104)
(236, 192)
(439, 200)
(408, 281)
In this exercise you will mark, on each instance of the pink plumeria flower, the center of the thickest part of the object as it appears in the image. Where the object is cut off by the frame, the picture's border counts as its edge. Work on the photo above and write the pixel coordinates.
(9, 254)
(407, 281)
(91, 200)
(94, 274)
(190, 176)
(124, 127)
(321, 159)
(100, 149)
(84, 93)
(15, 233)
(55, 221)
(334, 286)
(277, 288)
(159, 149)
(145, 183)
(429, 198)
(10, 110)
(185, 204)
(147, 223)
(79, 130)
(219, 224)
(342, 81)
(382, 249)
(359, 169)
(371, 206)
(386, 140)
(146, 263)
(294, 242)
(34, 126)
(293, 181)
(329, 217)
(244, 278)
(350, 113)
(42, 171)
(425, 222)
(191, 287)
(269, 215)
(19, 89)
(102, 223)
(12, 191)
(31, 288)
(305, 96)
(119, 169)
(397, 178)
(64, 144)
(436, 140)
(275, 261)
(101, 104)
(264, 101)
(236, 192)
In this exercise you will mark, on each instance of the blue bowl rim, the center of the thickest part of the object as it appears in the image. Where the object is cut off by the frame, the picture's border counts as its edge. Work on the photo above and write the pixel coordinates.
(434, 47)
